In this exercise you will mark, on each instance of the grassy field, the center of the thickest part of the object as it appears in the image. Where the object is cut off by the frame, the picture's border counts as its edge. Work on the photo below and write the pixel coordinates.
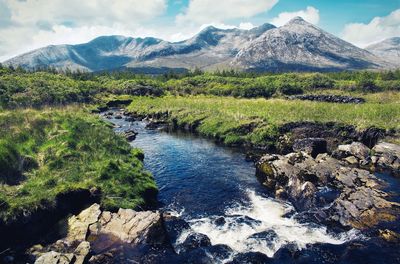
(51, 151)
(226, 117)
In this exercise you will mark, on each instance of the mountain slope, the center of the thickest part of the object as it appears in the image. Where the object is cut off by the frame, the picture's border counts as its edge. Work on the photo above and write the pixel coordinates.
(210, 47)
(299, 45)
(388, 50)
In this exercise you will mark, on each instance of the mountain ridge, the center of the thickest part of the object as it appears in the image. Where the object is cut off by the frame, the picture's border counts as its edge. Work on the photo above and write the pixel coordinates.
(297, 45)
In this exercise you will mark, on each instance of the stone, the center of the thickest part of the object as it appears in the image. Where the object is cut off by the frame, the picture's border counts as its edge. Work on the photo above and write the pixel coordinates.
(53, 257)
(78, 225)
(351, 160)
(82, 252)
(356, 149)
(387, 156)
(196, 240)
(130, 135)
(127, 225)
(357, 200)
(389, 236)
(312, 146)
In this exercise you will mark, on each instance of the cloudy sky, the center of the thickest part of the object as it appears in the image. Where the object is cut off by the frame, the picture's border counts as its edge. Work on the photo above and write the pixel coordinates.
(30, 24)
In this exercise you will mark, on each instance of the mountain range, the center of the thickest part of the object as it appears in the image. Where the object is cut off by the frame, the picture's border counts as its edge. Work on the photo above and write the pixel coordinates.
(298, 45)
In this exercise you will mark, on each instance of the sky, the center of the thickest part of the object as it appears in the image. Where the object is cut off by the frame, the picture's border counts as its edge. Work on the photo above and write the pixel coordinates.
(30, 24)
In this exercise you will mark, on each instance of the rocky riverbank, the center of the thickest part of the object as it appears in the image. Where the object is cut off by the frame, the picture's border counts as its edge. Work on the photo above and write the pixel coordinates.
(339, 188)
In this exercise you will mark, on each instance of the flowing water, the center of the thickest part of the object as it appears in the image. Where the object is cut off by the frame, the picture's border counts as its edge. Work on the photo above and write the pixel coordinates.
(215, 190)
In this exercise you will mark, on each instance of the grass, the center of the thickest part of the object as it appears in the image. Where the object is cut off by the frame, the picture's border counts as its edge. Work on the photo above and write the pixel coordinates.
(44, 153)
(228, 118)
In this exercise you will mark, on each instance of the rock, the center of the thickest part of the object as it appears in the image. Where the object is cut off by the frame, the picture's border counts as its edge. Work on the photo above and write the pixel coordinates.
(174, 226)
(351, 160)
(357, 198)
(127, 225)
(387, 156)
(330, 98)
(196, 240)
(78, 225)
(118, 116)
(53, 257)
(389, 236)
(251, 258)
(312, 146)
(130, 135)
(82, 252)
(356, 149)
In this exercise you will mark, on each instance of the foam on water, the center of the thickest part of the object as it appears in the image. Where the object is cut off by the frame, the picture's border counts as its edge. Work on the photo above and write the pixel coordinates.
(241, 222)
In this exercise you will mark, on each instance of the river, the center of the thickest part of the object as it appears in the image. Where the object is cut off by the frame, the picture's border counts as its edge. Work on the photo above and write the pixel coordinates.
(215, 190)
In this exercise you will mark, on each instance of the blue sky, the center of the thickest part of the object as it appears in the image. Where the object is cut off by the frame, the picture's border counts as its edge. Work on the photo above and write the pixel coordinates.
(30, 24)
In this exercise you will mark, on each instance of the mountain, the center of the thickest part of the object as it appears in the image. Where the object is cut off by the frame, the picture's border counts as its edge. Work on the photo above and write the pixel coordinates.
(298, 45)
(388, 50)
(210, 48)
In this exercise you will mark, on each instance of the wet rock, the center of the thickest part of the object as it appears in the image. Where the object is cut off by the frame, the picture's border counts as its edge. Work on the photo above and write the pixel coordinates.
(251, 258)
(312, 146)
(196, 240)
(389, 236)
(268, 237)
(358, 199)
(387, 156)
(78, 225)
(55, 257)
(330, 98)
(155, 124)
(206, 255)
(174, 226)
(130, 135)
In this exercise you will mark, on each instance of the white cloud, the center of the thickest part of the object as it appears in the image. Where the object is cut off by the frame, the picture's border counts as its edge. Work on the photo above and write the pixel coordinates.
(378, 29)
(200, 11)
(246, 25)
(32, 24)
(310, 14)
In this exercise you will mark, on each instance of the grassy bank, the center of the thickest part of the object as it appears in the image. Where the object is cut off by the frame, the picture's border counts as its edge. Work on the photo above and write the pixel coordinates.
(44, 153)
(257, 121)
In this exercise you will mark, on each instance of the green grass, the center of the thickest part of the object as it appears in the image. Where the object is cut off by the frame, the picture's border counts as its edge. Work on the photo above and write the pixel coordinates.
(226, 118)
(54, 151)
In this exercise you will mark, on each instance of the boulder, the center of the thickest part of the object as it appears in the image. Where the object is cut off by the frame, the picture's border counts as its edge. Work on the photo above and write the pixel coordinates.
(127, 225)
(389, 236)
(356, 149)
(82, 252)
(130, 135)
(53, 257)
(251, 258)
(357, 201)
(312, 146)
(387, 156)
(78, 225)
(196, 240)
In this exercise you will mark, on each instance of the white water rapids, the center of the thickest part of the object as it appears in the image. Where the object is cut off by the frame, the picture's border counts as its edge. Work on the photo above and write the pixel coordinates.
(262, 214)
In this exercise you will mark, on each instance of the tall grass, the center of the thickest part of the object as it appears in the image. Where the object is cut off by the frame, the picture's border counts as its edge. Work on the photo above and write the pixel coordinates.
(224, 116)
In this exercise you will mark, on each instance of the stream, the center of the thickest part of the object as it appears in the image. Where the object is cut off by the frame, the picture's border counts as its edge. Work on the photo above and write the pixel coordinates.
(216, 191)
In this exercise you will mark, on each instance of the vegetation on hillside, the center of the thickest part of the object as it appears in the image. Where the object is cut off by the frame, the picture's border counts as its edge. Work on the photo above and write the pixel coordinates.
(19, 88)
(44, 153)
